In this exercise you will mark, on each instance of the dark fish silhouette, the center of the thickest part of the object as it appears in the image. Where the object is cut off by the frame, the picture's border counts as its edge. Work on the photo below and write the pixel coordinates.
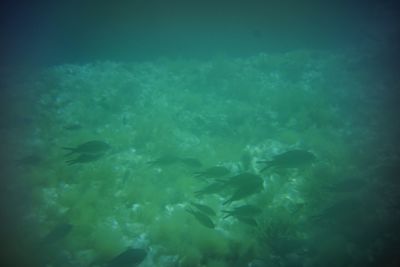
(191, 162)
(346, 185)
(202, 218)
(290, 159)
(243, 211)
(73, 127)
(164, 161)
(57, 233)
(244, 192)
(243, 179)
(204, 208)
(31, 160)
(91, 147)
(129, 258)
(247, 220)
(210, 189)
(84, 158)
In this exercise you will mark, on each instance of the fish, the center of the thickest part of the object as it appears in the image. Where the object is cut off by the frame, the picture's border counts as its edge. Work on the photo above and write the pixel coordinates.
(84, 158)
(191, 162)
(243, 211)
(290, 159)
(202, 218)
(204, 208)
(213, 172)
(244, 192)
(210, 189)
(247, 220)
(129, 258)
(243, 179)
(91, 147)
(58, 233)
(164, 160)
(348, 208)
(73, 127)
(351, 184)
(388, 172)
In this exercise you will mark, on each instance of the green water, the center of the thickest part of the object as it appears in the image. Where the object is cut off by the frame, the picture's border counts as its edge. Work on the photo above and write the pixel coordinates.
(337, 210)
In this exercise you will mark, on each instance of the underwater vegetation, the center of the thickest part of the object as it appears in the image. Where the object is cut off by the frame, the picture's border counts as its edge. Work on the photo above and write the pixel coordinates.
(259, 161)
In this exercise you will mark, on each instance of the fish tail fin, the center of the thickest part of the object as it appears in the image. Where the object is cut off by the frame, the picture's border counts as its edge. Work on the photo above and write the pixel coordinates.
(190, 211)
(227, 215)
(151, 163)
(197, 174)
(229, 201)
(71, 162)
(70, 149)
(265, 168)
(268, 164)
